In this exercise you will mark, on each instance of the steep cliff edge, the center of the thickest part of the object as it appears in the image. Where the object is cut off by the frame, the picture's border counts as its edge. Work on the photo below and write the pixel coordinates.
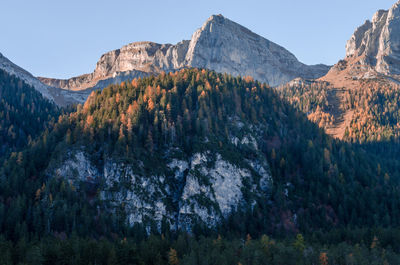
(372, 52)
(377, 42)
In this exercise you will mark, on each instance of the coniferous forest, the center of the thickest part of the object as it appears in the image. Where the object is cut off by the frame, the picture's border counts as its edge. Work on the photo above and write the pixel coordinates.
(24, 113)
(329, 201)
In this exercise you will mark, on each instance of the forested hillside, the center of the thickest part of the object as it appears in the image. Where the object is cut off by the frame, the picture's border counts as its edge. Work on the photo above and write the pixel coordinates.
(319, 186)
(373, 107)
(24, 113)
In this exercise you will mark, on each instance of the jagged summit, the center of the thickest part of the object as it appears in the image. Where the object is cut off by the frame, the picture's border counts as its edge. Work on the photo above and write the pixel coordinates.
(372, 52)
(377, 43)
(222, 21)
(220, 44)
(214, 18)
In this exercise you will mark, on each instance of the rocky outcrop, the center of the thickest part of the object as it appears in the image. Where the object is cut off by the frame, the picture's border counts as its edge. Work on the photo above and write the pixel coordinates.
(372, 53)
(220, 44)
(88, 82)
(377, 42)
(202, 188)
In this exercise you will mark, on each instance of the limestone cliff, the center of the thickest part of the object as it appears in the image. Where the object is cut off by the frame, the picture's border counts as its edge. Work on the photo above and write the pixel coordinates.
(220, 44)
(203, 187)
(378, 42)
(225, 46)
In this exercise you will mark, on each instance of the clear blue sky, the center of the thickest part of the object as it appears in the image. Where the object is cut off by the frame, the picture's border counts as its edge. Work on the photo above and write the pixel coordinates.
(62, 39)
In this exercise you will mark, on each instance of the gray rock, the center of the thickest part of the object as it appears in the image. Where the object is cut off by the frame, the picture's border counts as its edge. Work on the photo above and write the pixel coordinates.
(378, 42)
(225, 46)
(145, 197)
(220, 44)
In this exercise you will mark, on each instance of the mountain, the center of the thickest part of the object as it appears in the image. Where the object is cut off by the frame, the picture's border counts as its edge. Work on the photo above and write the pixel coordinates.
(220, 44)
(160, 149)
(195, 150)
(372, 51)
(200, 152)
(357, 100)
(377, 43)
(193, 166)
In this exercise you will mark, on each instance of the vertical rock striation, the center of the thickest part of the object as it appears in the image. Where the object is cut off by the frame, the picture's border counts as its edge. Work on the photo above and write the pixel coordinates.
(377, 42)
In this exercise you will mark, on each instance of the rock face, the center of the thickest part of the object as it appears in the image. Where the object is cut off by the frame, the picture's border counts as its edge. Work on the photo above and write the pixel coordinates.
(372, 53)
(205, 187)
(377, 42)
(220, 44)
(225, 46)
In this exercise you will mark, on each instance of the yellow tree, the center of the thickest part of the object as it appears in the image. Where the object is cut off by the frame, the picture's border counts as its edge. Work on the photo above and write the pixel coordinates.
(299, 243)
(173, 257)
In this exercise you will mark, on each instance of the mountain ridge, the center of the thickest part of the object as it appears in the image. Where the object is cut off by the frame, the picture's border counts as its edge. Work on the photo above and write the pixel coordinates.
(27, 77)
(246, 54)
(54, 94)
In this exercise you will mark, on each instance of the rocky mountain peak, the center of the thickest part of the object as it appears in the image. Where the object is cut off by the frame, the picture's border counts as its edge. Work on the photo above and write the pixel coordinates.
(377, 42)
(220, 44)
(225, 46)
(220, 21)
(215, 18)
